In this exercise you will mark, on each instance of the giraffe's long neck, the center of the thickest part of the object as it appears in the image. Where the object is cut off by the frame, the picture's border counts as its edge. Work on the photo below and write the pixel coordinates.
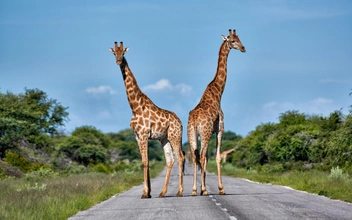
(216, 87)
(134, 93)
(221, 72)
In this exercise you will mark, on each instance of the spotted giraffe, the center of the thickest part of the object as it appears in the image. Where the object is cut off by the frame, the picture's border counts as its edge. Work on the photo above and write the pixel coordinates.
(208, 118)
(151, 122)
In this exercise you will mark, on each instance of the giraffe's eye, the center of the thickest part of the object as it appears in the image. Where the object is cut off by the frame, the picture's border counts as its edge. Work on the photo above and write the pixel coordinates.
(233, 41)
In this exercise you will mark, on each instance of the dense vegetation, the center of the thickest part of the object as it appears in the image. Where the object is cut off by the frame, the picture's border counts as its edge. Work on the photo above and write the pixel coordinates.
(30, 140)
(298, 141)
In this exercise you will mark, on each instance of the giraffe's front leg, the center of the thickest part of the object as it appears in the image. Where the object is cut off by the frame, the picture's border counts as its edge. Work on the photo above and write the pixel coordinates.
(220, 186)
(218, 147)
(143, 148)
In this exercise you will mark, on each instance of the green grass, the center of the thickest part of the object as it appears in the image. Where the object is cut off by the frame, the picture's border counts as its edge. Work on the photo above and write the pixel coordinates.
(329, 184)
(61, 197)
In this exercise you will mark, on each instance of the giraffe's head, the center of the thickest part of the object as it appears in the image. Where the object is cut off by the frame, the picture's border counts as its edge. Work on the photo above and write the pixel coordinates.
(119, 52)
(234, 42)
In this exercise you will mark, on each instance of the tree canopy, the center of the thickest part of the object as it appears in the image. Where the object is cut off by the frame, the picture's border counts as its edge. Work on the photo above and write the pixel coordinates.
(299, 138)
(26, 114)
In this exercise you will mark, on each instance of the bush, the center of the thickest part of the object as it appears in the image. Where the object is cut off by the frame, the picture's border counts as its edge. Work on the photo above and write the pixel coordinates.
(101, 168)
(121, 165)
(18, 161)
(274, 168)
(75, 169)
(337, 174)
(41, 173)
(6, 170)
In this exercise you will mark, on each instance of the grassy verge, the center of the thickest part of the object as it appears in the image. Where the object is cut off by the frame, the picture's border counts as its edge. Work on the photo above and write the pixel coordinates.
(61, 197)
(334, 185)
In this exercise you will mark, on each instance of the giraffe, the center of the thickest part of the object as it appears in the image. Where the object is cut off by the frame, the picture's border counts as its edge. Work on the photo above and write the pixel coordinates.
(208, 118)
(151, 122)
(224, 154)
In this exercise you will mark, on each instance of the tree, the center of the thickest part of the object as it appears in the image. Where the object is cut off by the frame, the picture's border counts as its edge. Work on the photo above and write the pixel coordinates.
(86, 145)
(291, 118)
(91, 135)
(28, 114)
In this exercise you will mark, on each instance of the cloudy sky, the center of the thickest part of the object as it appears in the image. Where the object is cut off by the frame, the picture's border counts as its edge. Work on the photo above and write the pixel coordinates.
(299, 56)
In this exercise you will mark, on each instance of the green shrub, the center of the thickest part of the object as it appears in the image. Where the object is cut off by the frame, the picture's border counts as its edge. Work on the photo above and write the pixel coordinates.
(337, 174)
(41, 173)
(18, 161)
(75, 169)
(102, 168)
(136, 166)
(272, 168)
(7, 170)
(121, 165)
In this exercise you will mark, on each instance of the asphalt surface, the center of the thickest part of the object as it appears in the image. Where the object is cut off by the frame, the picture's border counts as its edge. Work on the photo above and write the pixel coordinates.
(243, 200)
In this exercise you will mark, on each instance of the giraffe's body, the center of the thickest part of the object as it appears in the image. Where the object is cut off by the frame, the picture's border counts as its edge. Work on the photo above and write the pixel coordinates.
(208, 118)
(151, 122)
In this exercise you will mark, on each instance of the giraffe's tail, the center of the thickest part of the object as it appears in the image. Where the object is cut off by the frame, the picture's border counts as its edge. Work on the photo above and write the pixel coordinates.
(184, 162)
(196, 152)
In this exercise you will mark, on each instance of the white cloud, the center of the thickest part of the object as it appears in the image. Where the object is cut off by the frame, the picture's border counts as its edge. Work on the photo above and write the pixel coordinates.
(183, 88)
(164, 84)
(160, 85)
(320, 101)
(100, 90)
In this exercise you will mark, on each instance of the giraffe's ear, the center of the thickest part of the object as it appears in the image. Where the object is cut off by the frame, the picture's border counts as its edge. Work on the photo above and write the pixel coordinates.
(126, 49)
(112, 50)
(223, 37)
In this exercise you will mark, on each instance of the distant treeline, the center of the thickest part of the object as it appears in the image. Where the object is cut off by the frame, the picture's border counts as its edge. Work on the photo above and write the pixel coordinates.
(299, 141)
(30, 139)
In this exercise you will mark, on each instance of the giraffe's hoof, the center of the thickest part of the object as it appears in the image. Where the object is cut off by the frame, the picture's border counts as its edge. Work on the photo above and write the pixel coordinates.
(194, 192)
(146, 196)
(179, 194)
(204, 193)
(222, 192)
(161, 195)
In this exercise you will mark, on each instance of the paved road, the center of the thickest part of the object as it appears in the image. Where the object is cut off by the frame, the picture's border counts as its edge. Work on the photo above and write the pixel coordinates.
(243, 200)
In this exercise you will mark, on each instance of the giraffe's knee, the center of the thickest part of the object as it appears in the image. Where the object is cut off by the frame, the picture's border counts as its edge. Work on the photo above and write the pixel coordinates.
(145, 165)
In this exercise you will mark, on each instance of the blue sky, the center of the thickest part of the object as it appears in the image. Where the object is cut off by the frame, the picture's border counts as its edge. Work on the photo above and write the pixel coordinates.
(299, 56)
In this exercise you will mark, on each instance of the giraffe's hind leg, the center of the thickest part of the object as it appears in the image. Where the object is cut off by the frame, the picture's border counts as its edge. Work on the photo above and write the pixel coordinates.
(192, 138)
(169, 163)
(205, 136)
(176, 144)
